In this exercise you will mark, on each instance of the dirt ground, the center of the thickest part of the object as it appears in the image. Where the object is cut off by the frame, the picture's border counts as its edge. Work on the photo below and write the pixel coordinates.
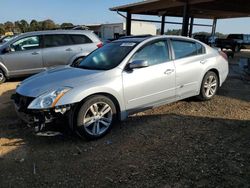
(184, 144)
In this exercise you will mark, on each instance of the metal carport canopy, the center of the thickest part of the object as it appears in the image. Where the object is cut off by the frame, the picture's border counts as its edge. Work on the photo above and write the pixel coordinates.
(209, 9)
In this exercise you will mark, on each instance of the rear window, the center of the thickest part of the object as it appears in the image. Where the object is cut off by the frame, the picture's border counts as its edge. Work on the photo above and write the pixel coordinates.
(200, 48)
(56, 40)
(80, 39)
(186, 48)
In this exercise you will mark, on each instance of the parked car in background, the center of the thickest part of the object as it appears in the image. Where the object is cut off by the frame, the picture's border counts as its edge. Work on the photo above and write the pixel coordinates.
(4, 39)
(234, 42)
(123, 77)
(33, 52)
(210, 40)
(201, 37)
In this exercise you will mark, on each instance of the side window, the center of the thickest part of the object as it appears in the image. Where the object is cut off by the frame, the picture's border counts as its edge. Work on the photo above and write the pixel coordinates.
(248, 37)
(28, 43)
(200, 49)
(245, 38)
(154, 53)
(186, 49)
(80, 39)
(56, 40)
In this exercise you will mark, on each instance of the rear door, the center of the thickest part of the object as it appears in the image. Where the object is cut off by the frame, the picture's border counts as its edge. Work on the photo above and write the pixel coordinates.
(81, 44)
(190, 62)
(57, 50)
(25, 56)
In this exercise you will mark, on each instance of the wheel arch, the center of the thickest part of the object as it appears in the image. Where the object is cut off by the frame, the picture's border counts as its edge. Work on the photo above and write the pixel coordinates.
(77, 56)
(216, 72)
(72, 114)
(108, 95)
(212, 70)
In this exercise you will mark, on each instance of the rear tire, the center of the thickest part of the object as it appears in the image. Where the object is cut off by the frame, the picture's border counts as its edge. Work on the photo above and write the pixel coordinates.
(2, 77)
(95, 117)
(209, 86)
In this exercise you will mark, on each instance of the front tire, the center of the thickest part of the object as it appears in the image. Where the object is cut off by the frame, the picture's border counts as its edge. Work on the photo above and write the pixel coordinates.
(95, 117)
(209, 86)
(77, 61)
(2, 77)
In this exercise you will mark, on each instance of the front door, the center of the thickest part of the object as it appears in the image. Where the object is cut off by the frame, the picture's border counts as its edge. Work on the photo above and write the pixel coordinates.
(25, 56)
(152, 85)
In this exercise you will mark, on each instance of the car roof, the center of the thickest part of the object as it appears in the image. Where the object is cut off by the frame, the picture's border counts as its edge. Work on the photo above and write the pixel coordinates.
(60, 31)
(136, 39)
(141, 39)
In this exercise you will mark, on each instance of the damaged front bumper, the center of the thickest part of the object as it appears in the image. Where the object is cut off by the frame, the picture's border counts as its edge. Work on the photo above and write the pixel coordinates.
(38, 119)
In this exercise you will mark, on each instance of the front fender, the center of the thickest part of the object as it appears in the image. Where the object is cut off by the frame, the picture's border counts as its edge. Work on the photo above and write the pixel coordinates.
(113, 88)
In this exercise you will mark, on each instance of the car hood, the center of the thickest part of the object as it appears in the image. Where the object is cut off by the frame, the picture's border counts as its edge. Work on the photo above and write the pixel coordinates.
(54, 78)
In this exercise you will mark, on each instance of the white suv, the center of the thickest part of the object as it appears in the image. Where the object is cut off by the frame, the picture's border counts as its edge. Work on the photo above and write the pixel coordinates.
(33, 52)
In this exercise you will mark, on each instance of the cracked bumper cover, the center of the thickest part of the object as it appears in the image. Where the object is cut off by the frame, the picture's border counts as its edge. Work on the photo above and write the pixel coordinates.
(36, 118)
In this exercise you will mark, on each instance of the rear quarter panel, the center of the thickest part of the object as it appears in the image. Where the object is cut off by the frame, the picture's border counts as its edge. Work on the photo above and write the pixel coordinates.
(216, 61)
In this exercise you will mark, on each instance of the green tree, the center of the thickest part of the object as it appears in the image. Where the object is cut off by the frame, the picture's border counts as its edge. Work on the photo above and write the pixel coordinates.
(217, 34)
(48, 24)
(8, 26)
(16, 27)
(173, 32)
(2, 29)
(66, 25)
(24, 26)
(34, 25)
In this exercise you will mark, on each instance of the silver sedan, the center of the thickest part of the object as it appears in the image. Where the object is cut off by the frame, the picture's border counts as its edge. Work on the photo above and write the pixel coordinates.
(121, 78)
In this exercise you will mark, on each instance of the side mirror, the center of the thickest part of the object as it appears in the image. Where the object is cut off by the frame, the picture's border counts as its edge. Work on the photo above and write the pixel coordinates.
(138, 64)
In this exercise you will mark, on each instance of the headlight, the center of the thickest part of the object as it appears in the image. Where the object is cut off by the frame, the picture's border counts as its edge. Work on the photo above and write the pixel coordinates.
(49, 99)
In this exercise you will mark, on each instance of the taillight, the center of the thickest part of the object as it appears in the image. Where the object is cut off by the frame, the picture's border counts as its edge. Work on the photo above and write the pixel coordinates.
(99, 45)
(224, 55)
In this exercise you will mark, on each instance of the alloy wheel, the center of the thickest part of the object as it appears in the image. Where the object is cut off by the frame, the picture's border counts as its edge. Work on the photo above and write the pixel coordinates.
(210, 86)
(97, 118)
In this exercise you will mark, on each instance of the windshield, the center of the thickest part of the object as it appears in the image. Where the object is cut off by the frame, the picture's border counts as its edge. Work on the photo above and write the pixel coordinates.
(107, 57)
(7, 38)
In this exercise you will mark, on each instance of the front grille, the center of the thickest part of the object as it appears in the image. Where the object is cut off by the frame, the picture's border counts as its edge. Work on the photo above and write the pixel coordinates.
(22, 102)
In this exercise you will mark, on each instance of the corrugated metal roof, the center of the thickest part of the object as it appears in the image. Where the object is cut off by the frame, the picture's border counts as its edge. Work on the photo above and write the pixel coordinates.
(197, 8)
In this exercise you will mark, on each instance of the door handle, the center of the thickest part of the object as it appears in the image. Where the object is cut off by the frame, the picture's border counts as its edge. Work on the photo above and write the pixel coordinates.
(169, 71)
(69, 50)
(35, 53)
(203, 61)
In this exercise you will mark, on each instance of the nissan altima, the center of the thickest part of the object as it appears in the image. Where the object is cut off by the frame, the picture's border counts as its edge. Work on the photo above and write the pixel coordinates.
(121, 78)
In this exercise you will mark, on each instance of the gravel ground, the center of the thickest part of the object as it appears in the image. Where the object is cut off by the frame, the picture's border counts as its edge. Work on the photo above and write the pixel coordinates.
(184, 144)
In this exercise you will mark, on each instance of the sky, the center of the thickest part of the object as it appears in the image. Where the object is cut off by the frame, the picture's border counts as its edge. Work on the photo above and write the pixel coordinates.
(80, 12)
